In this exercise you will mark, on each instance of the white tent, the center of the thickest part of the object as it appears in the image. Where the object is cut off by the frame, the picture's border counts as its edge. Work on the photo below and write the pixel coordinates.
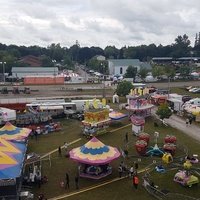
(115, 98)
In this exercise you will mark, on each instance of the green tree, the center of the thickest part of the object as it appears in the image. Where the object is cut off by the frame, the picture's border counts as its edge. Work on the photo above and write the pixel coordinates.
(169, 71)
(143, 72)
(46, 61)
(157, 71)
(111, 52)
(68, 64)
(185, 71)
(131, 72)
(123, 88)
(164, 111)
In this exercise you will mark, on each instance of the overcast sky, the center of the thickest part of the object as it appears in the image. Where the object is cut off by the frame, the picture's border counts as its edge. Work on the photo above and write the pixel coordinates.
(97, 22)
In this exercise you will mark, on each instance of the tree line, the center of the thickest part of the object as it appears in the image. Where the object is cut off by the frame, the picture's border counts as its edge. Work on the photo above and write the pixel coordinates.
(83, 55)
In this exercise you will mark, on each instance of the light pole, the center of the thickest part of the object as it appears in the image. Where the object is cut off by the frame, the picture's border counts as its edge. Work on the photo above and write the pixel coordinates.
(3, 63)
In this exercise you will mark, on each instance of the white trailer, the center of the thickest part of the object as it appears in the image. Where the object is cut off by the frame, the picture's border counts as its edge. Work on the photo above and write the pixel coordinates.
(175, 104)
(80, 104)
(7, 115)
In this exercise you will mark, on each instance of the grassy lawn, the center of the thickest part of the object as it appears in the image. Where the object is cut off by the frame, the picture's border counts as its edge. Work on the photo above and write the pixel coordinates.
(121, 189)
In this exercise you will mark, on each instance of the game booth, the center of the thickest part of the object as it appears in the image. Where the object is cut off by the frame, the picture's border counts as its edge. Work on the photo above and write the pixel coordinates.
(95, 122)
(94, 158)
(137, 124)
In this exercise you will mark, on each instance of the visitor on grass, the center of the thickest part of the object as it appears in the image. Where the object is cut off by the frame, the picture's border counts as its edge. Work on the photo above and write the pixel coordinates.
(135, 181)
(66, 180)
(120, 170)
(131, 171)
(126, 137)
(59, 151)
(77, 181)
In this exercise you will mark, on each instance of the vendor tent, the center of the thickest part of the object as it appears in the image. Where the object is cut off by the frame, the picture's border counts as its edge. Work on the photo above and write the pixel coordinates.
(10, 132)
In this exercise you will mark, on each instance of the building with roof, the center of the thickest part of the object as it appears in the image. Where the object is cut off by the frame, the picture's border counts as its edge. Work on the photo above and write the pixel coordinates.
(21, 72)
(32, 61)
(119, 66)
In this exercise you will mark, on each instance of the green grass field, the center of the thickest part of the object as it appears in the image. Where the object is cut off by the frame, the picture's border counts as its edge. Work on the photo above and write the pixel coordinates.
(121, 189)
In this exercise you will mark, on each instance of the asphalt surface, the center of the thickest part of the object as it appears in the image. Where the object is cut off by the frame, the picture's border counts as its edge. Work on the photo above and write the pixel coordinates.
(71, 89)
(180, 124)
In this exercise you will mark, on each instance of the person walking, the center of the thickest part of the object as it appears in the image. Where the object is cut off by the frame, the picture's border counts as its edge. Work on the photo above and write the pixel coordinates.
(187, 122)
(120, 170)
(77, 181)
(126, 137)
(135, 181)
(131, 171)
(66, 180)
(66, 149)
(190, 120)
(59, 151)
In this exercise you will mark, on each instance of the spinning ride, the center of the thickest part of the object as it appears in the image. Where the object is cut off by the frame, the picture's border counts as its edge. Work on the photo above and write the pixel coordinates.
(139, 107)
(94, 158)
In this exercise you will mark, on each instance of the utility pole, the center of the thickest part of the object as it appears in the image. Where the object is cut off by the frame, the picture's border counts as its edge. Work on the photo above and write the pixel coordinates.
(103, 67)
(4, 78)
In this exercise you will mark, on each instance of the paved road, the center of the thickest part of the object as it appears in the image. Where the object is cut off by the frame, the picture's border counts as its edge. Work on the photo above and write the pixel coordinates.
(179, 123)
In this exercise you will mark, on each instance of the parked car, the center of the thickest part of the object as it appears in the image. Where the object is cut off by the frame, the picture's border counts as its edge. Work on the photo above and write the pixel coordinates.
(190, 90)
(196, 90)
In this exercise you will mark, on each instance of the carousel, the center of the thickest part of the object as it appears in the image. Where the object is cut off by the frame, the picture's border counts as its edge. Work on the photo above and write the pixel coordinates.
(94, 158)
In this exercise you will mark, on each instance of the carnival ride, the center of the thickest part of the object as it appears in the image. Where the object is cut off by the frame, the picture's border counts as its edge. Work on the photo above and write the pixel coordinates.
(185, 179)
(138, 104)
(96, 118)
(94, 158)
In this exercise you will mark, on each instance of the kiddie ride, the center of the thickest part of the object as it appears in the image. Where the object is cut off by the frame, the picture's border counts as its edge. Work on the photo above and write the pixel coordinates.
(185, 178)
(143, 149)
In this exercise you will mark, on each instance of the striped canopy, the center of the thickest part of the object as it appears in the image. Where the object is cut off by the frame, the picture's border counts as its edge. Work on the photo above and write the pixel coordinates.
(10, 132)
(94, 152)
(11, 158)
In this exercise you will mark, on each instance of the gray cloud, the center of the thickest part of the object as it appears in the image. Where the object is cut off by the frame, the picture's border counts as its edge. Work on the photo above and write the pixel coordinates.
(97, 23)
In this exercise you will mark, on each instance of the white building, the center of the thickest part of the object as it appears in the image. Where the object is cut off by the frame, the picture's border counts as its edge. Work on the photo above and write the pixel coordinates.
(21, 72)
(119, 66)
